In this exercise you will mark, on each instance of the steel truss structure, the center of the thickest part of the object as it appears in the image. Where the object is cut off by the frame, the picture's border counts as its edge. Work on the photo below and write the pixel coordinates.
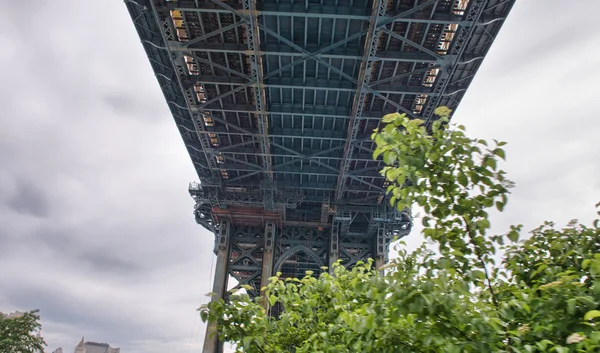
(276, 100)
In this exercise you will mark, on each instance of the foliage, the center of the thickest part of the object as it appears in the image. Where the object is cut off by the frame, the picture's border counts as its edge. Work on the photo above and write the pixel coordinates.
(544, 296)
(20, 334)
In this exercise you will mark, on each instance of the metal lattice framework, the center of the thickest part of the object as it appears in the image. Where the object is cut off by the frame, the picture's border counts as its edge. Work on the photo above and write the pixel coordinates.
(276, 100)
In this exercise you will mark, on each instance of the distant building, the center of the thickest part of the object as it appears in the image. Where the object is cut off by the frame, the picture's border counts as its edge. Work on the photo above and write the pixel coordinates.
(91, 347)
(15, 314)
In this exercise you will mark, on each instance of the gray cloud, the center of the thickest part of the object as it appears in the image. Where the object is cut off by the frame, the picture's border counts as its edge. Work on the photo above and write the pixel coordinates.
(97, 229)
(29, 199)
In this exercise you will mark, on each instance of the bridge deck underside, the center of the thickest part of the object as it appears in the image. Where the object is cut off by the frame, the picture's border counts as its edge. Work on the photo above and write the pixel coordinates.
(276, 100)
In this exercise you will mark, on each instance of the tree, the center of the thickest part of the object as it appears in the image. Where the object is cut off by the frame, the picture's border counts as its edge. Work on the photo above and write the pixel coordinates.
(21, 333)
(542, 296)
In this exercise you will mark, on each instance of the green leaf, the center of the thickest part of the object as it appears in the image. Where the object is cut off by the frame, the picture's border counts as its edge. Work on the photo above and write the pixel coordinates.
(571, 306)
(376, 153)
(272, 300)
(416, 121)
(389, 157)
(490, 162)
(592, 314)
(247, 341)
(462, 179)
(543, 344)
(513, 236)
(585, 263)
(204, 315)
(442, 111)
(426, 221)
(500, 153)
(260, 341)
(500, 206)
(393, 174)
(390, 117)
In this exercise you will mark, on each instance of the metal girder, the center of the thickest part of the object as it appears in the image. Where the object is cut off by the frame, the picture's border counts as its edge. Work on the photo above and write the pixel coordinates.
(318, 186)
(316, 55)
(413, 44)
(317, 11)
(405, 74)
(299, 110)
(259, 94)
(331, 168)
(305, 170)
(230, 147)
(379, 9)
(256, 133)
(288, 109)
(308, 157)
(474, 11)
(315, 84)
(360, 157)
(279, 133)
(307, 54)
(274, 49)
(365, 85)
(282, 69)
(177, 84)
(251, 165)
(212, 34)
(320, 153)
(220, 67)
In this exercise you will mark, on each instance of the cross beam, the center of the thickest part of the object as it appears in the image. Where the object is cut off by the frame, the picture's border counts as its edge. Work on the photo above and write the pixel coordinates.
(316, 11)
(314, 84)
(274, 49)
(379, 9)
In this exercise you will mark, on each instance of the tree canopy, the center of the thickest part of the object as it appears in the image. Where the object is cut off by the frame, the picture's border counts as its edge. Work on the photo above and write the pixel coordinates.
(21, 333)
(464, 290)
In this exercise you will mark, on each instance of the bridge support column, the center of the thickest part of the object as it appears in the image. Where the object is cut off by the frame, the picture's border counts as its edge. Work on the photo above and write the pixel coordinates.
(380, 249)
(334, 246)
(267, 262)
(211, 341)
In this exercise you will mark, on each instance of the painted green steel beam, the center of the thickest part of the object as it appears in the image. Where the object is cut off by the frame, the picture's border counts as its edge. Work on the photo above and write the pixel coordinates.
(329, 167)
(309, 186)
(319, 11)
(297, 110)
(314, 84)
(305, 170)
(278, 133)
(274, 49)
(360, 157)
(360, 96)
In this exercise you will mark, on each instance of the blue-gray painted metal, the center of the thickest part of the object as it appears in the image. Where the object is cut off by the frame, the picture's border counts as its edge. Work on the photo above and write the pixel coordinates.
(291, 91)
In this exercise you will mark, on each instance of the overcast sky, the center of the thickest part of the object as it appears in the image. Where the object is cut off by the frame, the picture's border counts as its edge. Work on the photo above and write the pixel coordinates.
(96, 223)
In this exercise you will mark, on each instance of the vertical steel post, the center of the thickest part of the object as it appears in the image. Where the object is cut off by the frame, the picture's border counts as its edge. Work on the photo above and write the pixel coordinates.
(334, 246)
(380, 249)
(211, 341)
(267, 263)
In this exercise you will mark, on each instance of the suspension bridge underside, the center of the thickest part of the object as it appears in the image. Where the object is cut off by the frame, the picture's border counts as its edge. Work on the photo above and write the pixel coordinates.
(276, 101)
